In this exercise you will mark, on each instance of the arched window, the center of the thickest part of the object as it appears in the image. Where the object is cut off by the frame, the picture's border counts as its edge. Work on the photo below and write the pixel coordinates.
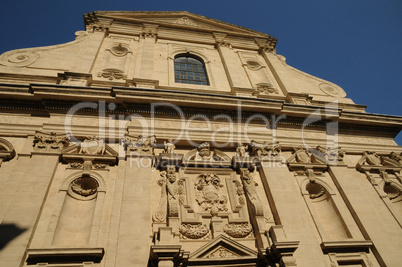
(190, 69)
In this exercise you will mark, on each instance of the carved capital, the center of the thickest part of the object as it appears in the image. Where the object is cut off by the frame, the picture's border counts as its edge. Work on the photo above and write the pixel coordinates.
(266, 45)
(220, 39)
(149, 30)
(50, 142)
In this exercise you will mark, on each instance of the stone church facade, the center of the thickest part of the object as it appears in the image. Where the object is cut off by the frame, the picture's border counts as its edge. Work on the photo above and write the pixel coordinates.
(172, 139)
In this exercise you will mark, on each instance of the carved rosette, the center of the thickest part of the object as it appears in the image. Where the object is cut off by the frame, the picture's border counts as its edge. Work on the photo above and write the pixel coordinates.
(238, 230)
(84, 186)
(193, 231)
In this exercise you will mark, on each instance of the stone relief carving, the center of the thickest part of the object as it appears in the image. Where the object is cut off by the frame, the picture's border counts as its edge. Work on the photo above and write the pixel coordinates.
(220, 39)
(332, 90)
(175, 191)
(300, 155)
(209, 195)
(204, 152)
(193, 231)
(185, 21)
(140, 144)
(241, 151)
(222, 252)
(93, 146)
(172, 194)
(19, 59)
(50, 142)
(264, 149)
(329, 155)
(149, 30)
(115, 62)
(169, 146)
(238, 230)
(85, 186)
(160, 213)
(250, 188)
(265, 88)
(112, 74)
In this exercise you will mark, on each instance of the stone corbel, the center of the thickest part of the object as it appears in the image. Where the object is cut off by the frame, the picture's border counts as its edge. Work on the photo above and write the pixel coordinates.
(281, 250)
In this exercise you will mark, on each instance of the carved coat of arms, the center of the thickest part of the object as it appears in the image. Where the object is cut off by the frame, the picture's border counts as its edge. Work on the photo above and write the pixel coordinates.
(209, 194)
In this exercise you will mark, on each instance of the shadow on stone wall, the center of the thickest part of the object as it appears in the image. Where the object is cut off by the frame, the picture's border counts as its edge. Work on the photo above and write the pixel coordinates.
(8, 232)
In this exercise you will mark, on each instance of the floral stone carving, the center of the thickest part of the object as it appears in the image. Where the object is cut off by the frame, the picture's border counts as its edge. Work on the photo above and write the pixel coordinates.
(238, 230)
(209, 194)
(193, 231)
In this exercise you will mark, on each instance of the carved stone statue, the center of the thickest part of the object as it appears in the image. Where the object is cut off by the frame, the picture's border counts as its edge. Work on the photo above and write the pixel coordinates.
(242, 151)
(250, 188)
(169, 146)
(204, 152)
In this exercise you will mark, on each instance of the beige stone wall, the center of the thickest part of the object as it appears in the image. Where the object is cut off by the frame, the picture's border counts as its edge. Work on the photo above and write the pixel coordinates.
(264, 170)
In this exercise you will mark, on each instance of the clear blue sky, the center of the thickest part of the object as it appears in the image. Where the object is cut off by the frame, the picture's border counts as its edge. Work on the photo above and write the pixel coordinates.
(353, 43)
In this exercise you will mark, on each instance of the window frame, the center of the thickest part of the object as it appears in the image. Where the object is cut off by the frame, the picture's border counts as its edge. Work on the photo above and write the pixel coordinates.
(198, 70)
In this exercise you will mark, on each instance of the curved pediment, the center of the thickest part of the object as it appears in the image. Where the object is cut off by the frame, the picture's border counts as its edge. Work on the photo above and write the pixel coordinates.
(204, 154)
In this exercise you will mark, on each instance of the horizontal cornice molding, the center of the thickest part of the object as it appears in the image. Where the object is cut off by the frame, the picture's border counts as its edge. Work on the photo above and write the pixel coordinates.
(42, 97)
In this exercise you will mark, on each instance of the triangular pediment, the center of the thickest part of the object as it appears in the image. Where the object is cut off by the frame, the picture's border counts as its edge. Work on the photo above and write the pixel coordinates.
(179, 19)
(92, 149)
(223, 247)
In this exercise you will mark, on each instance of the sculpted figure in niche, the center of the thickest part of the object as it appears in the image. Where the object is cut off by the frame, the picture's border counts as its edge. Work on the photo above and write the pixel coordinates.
(204, 152)
(250, 188)
(169, 146)
(172, 191)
